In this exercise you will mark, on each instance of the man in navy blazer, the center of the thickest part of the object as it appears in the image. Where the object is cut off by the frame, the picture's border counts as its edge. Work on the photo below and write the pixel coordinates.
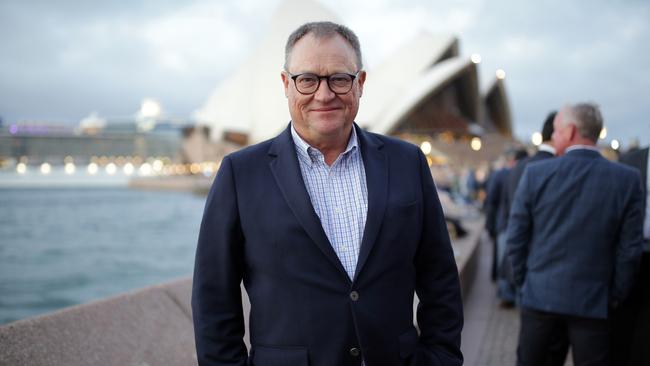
(575, 240)
(330, 265)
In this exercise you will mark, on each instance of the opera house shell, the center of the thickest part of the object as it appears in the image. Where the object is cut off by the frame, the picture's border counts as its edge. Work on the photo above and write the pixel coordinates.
(425, 91)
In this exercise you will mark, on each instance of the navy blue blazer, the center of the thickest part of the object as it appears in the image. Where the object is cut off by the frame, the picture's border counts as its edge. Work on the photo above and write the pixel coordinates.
(259, 226)
(515, 176)
(574, 235)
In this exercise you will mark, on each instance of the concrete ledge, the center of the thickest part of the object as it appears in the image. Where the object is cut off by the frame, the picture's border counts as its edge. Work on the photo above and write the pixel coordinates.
(469, 251)
(147, 327)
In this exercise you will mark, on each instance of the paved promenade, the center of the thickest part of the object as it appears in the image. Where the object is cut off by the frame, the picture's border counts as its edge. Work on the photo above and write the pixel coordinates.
(491, 331)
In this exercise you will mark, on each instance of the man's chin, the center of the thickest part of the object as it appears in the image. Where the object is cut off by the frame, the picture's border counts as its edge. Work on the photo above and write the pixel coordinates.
(330, 126)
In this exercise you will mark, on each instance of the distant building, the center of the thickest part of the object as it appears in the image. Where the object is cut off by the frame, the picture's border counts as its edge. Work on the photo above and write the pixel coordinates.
(53, 142)
(425, 91)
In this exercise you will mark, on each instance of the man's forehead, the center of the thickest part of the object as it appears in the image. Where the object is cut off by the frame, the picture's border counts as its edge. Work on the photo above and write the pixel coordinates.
(312, 48)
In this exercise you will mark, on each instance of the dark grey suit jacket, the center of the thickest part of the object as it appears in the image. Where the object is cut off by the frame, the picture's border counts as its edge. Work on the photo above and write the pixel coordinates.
(574, 235)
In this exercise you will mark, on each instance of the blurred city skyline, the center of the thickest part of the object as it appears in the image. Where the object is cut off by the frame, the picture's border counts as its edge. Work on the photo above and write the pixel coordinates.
(64, 60)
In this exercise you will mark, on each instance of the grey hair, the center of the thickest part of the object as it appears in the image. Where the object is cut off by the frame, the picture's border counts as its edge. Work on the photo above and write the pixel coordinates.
(587, 119)
(323, 30)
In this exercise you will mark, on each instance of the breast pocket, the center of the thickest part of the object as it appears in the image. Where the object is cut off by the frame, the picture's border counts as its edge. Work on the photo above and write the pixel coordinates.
(398, 211)
(279, 356)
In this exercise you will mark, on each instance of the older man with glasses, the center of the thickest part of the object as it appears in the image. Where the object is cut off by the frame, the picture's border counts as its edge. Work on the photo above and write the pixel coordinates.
(332, 230)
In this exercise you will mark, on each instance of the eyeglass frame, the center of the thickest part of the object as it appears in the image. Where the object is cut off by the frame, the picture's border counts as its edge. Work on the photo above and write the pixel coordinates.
(327, 77)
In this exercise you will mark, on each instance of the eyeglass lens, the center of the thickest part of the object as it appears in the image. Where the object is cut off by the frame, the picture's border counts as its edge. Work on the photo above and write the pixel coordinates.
(338, 83)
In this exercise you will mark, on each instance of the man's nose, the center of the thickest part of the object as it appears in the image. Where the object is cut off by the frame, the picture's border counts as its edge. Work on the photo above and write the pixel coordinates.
(324, 93)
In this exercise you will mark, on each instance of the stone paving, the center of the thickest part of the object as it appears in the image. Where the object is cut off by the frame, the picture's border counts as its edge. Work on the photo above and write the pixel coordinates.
(491, 331)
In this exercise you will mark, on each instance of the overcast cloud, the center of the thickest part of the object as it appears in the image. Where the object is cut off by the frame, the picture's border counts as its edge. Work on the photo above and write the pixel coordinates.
(62, 60)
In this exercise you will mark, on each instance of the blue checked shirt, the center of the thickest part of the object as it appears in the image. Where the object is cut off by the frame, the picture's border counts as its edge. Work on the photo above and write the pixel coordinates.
(339, 195)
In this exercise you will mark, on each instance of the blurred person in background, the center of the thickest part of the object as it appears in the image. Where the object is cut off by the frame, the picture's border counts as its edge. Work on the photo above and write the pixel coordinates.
(496, 220)
(575, 241)
(631, 327)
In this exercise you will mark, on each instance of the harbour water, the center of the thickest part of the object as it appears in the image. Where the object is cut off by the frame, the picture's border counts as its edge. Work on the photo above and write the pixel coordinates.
(61, 247)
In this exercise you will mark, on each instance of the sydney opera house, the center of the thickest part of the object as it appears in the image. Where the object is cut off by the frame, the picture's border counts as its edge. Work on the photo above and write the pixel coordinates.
(425, 92)
(436, 100)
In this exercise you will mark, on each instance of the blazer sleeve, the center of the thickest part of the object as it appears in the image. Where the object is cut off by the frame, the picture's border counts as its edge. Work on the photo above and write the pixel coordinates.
(520, 225)
(439, 313)
(630, 243)
(218, 270)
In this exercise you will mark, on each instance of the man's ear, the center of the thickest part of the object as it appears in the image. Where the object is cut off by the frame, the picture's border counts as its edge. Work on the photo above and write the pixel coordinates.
(361, 79)
(285, 81)
(573, 130)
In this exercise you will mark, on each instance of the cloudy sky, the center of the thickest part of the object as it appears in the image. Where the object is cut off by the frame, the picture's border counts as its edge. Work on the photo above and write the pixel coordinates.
(61, 60)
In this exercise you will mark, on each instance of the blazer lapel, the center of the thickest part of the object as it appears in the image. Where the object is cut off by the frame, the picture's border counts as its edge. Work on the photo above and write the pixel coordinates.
(376, 167)
(287, 174)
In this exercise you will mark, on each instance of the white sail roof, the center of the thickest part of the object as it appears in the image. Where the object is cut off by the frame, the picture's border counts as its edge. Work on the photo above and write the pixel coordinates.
(252, 99)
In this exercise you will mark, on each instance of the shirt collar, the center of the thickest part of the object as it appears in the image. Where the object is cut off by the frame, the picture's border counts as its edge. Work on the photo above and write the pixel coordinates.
(548, 148)
(309, 153)
(585, 147)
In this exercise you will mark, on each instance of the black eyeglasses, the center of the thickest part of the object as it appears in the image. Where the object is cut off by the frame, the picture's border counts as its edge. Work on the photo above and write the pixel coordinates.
(308, 83)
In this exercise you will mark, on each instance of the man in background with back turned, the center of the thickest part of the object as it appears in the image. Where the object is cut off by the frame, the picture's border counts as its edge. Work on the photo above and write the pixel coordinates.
(575, 240)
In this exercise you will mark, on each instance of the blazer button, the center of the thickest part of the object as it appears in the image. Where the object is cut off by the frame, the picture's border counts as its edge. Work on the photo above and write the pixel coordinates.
(354, 352)
(354, 296)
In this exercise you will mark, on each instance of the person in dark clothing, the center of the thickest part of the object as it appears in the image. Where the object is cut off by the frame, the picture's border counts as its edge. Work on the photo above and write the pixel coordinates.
(575, 241)
(496, 221)
(631, 322)
(544, 151)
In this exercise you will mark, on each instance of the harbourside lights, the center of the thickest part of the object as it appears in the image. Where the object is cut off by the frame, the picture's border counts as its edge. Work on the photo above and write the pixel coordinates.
(209, 167)
(128, 169)
(69, 168)
(180, 169)
(157, 165)
(150, 108)
(603, 133)
(476, 58)
(476, 144)
(145, 169)
(21, 168)
(111, 168)
(615, 144)
(536, 139)
(93, 168)
(501, 74)
(46, 168)
(426, 147)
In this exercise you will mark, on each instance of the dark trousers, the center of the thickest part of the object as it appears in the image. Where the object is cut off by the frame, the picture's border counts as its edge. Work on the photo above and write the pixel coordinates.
(539, 332)
(631, 322)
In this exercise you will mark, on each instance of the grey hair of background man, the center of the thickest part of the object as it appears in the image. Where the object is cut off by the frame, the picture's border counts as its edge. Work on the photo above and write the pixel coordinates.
(323, 30)
(587, 119)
